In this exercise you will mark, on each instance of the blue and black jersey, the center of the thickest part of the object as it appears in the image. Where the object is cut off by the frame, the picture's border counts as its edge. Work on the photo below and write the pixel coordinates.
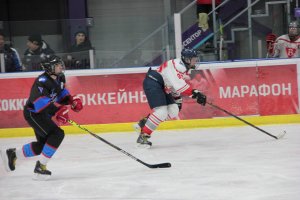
(45, 92)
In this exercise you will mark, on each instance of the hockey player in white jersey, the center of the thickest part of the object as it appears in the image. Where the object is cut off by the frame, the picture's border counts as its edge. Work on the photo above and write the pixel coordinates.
(163, 88)
(288, 46)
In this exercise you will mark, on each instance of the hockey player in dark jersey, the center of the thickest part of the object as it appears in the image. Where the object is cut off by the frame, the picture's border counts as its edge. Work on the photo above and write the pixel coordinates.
(48, 98)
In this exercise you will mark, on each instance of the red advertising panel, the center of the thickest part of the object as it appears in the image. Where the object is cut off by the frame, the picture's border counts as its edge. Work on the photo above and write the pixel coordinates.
(265, 90)
(13, 96)
(279, 90)
(109, 98)
(106, 99)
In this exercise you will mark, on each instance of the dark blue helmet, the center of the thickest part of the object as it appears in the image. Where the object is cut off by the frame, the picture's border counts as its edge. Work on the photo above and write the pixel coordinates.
(187, 55)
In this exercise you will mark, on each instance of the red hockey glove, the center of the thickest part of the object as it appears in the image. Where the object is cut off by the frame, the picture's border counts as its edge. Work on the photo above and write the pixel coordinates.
(201, 98)
(271, 37)
(76, 103)
(270, 40)
(62, 115)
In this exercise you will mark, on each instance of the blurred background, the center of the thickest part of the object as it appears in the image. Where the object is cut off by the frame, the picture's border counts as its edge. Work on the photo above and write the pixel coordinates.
(135, 33)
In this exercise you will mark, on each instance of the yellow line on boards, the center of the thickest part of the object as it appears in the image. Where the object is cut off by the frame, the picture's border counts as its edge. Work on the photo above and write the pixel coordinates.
(175, 124)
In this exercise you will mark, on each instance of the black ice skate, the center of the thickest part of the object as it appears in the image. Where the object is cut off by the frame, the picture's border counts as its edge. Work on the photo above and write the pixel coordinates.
(138, 126)
(143, 140)
(9, 159)
(41, 172)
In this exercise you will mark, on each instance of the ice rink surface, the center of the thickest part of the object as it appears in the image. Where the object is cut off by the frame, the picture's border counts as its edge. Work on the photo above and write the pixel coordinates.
(239, 163)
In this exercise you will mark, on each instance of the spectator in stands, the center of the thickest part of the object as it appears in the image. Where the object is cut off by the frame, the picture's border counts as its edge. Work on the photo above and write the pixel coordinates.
(12, 60)
(37, 50)
(82, 43)
(79, 58)
(288, 45)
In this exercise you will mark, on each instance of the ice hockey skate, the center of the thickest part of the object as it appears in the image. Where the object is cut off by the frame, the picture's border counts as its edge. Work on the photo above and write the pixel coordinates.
(142, 141)
(138, 126)
(9, 159)
(40, 172)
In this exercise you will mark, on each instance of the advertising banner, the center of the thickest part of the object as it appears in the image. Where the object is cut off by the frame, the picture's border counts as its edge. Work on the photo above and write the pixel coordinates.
(106, 99)
(117, 98)
(262, 90)
(193, 35)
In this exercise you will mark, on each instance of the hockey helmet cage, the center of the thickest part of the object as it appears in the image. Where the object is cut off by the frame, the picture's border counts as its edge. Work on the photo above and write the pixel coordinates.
(49, 63)
(294, 29)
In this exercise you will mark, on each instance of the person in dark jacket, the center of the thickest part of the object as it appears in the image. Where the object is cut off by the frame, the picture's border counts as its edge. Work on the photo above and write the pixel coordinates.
(79, 57)
(37, 50)
(82, 43)
(12, 62)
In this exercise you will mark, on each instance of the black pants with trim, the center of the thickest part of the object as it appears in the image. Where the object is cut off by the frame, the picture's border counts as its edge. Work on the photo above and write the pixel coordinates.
(45, 129)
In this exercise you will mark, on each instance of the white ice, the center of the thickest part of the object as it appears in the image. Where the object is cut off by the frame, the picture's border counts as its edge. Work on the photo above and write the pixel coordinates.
(239, 163)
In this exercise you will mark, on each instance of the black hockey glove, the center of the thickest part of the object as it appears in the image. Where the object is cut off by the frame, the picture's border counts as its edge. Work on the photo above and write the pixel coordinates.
(178, 101)
(201, 98)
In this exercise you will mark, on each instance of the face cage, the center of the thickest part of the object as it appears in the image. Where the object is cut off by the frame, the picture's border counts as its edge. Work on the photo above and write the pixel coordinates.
(54, 65)
(188, 64)
(293, 31)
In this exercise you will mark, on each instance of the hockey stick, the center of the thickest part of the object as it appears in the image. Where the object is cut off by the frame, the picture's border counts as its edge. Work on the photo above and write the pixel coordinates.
(161, 165)
(276, 137)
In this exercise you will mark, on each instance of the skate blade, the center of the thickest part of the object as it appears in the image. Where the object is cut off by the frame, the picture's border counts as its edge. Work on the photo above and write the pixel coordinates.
(143, 146)
(40, 177)
(137, 128)
(5, 160)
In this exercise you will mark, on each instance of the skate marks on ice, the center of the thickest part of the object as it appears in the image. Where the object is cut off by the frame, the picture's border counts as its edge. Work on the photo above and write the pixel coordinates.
(221, 163)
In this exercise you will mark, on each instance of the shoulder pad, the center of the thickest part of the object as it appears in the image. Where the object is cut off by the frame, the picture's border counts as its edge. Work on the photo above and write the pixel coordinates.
(179, 65)
(42, 79)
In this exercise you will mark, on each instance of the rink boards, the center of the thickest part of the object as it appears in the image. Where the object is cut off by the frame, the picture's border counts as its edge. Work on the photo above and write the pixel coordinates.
(261, 91)
(176, 124)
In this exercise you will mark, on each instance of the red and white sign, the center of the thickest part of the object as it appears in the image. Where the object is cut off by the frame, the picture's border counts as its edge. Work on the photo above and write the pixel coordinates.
(117, 98)
(262, 90)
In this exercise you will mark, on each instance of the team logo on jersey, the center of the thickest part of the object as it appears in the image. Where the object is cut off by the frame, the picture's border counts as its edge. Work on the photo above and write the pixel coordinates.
(41, 89)
(53, 96)
(42, 79)
(290, 52)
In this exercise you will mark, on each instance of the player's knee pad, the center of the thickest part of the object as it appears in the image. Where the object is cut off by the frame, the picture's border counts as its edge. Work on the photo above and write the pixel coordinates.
(161, 112)
(37, 147)
(173, 110)
(56, 137)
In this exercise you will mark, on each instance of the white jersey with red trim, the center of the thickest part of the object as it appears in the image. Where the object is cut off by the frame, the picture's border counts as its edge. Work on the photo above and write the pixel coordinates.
(285, 48)
(174, 74)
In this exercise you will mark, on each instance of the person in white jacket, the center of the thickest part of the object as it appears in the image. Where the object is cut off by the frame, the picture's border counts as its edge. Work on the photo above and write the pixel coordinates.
(163, 88)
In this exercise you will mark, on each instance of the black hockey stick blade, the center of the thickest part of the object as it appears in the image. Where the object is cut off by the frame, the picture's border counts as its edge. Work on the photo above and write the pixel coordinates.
(248, 123)
(161, 165)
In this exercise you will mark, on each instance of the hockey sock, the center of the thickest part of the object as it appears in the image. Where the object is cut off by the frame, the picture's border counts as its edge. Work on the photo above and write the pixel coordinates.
(20, 154)
(151, 124)
(27, 151)
(47, 153)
